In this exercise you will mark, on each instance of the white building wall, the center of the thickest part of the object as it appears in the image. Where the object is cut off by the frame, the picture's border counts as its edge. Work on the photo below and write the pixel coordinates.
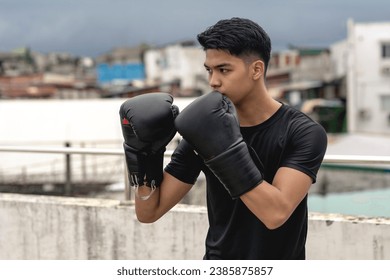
(339, 59)
(152, 62)
(313, 68)
(288, 55)
(365, 81)
(193, 67)
(176, 62)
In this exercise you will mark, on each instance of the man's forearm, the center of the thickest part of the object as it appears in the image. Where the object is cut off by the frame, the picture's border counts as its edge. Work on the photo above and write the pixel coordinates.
(146, 209)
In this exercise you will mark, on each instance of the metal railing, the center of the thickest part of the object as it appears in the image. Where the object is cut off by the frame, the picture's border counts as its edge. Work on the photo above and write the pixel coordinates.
(67, 151)
(356, 159)
(61, 150)
(353, 159)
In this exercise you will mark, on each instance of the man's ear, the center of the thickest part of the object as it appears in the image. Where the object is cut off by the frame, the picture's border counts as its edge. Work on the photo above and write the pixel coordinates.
(258, 68)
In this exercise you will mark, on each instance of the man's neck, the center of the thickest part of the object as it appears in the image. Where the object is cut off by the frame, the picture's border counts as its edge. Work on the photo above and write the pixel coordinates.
(258, 110)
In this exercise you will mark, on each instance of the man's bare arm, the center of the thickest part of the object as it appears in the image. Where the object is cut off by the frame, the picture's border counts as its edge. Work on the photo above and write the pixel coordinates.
(170, 192)
(274, 204)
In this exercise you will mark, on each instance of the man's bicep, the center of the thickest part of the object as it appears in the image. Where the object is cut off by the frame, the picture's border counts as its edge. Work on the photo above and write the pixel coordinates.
(293, 184)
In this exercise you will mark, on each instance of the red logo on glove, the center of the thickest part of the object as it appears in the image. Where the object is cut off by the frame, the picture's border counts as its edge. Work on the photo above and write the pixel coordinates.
(125, 121)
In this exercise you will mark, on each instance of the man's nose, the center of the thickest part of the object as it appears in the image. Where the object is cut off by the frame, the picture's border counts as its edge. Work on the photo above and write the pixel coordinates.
(214, 81)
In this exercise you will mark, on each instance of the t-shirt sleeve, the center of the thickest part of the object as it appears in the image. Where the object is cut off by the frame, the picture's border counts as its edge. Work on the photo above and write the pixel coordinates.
(307, 149)
(185, 165)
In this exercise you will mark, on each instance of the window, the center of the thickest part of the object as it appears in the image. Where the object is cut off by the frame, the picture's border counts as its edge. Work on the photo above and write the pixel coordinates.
(385, 103)
(386, 50)
(287, 60)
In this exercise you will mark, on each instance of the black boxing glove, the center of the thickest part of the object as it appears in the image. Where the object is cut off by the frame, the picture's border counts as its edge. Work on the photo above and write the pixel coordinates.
(211, 126)
(148, 126)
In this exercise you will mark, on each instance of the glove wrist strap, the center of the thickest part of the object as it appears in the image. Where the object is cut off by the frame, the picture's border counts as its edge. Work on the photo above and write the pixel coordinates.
(236, 170)
(145, 197)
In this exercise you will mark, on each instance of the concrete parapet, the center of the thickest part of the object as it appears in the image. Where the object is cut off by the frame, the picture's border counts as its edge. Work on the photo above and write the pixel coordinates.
(66, 228)
(335, 237)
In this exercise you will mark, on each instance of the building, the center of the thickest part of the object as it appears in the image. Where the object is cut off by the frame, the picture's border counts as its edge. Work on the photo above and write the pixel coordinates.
(25, 86)
(120, 66)
(301, 73)
(47, 85)
(17, 62)
(180, 64)
(303, 77)
(27, 74)
(363, 59)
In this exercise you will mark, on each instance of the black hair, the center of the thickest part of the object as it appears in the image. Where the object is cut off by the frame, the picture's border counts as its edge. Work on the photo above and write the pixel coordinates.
(240, 37)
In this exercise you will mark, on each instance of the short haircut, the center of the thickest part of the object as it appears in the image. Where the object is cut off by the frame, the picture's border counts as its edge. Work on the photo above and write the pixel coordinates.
(240, 37)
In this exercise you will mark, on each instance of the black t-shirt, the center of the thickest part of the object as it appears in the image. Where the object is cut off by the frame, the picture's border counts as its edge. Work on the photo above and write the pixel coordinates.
(288, 139)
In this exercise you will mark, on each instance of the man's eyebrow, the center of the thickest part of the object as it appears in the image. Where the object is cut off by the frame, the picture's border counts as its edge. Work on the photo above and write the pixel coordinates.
(217, 66)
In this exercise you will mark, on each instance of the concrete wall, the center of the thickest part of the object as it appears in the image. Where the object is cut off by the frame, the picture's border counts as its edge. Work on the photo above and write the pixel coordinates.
(43, 227)
(335, 237)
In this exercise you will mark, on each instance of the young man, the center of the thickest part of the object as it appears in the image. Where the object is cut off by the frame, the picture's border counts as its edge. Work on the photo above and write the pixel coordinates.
(259, 156)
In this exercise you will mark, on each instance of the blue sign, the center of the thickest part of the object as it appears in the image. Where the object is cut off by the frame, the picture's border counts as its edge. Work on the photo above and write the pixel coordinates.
(107, 73)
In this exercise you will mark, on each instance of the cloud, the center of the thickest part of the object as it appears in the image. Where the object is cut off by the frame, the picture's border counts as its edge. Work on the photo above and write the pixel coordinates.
(86, 27)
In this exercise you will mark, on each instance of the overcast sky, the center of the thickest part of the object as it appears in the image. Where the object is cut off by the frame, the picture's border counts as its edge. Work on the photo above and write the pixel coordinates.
(93, 27)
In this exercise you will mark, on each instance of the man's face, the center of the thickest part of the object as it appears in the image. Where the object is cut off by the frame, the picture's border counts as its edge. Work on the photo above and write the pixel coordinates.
(228, 74)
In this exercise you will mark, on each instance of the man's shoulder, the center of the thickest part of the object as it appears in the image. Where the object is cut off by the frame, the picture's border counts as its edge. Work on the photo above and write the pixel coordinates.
(301, 125)
(293, 112)
(297, 117)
